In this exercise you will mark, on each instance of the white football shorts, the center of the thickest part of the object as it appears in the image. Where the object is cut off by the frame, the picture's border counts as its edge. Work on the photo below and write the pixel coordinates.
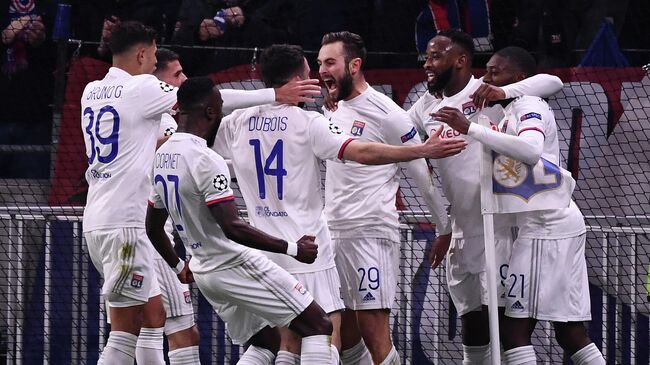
(368, 268)
(325, 287)
(123, 258)
(466, 276)
(176, 296)
(547, 280)
(253, 295)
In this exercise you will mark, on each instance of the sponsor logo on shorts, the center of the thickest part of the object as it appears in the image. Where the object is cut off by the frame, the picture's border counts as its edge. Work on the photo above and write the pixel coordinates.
(368, 297)
(136, 281)
(517, 306)
(301, 289)
(188, 297)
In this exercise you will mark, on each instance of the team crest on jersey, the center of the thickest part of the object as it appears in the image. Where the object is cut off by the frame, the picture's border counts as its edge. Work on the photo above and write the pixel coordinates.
(136, 281)
(188, 297)
(166, 87)
(169, 131)
(530, 116)
(335, 129)
(220, 182)
(469, 108)
(357, 128)
(301, 289)
(509, 172)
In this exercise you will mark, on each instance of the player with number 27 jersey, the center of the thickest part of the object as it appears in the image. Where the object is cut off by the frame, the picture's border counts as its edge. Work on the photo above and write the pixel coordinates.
(120, 117)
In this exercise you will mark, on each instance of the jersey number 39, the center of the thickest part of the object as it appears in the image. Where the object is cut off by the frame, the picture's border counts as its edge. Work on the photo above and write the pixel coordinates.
(93, 128)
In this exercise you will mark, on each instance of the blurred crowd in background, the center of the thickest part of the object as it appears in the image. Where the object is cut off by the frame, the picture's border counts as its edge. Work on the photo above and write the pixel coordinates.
(556, 31)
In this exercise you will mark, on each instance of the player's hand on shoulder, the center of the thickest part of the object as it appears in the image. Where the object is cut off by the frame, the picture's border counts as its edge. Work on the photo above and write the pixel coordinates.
(328, 102)
(487, 93)
(186, 276)
(297, 91)
(439, 249)
(307, 249)
(437, 147)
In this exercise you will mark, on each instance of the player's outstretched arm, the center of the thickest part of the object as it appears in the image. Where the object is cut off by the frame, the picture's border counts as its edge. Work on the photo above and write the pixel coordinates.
(542, 85)
(236, 229)
(155, 227)
(526, 147)
(373, 153)
(293, 92)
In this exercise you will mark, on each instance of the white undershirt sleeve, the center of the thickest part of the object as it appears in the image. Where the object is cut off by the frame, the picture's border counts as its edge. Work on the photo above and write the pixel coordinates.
(542, 85)
(419, 171)
(238, 99)
(526, 147)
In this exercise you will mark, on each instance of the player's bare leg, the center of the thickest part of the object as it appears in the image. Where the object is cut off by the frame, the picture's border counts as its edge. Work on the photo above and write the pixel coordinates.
(573, 338)
(315, 328)
(149, 349)
(125, 327)
(184, 346)
(374, 325)
(516, 340)
(290, 343)
(476, 336)
(263, 347)
(354, 350)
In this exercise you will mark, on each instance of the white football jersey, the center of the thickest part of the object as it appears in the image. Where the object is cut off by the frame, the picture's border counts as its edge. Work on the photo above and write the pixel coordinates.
(188, 178)
(533, 113)
(120, 117)
(360, 199)
(459, 174)
(275, 150)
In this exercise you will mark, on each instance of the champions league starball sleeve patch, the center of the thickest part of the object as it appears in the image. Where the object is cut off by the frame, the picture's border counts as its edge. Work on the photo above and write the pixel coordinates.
(220, 182)
(165, 87)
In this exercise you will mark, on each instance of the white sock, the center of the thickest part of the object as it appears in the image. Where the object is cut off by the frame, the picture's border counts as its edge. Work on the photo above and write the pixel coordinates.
(256, 356)
(392, 358)
(119, 350)
(356, 355)
(588, 355)
(315, 350)
(149, 349)
(477, 355)
(523, 355)
(185, 356)
(287, 358)
(334, 352)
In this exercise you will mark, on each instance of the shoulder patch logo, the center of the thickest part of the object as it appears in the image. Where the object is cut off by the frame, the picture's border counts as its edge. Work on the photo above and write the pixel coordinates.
(166, 87)
(530, 116)
(357, 128)
(220, 182)
(409, 135)
(169, 131)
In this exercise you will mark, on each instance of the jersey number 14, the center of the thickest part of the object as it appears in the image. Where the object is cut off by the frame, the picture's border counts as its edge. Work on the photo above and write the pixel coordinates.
(274, 157)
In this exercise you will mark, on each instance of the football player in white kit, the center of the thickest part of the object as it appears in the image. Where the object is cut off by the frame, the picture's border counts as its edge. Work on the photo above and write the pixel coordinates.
(276, 151)
(360, 201)
(120, 117)
(547, 274)
(248, 291)
(181, 331)
(450, 83)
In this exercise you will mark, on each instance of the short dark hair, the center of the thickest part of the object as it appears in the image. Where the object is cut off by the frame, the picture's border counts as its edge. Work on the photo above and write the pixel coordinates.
(280, 62)
(164, 56)
(193, 91)
(128, 34)
(519, 58)
(353, 45)
(461, 39)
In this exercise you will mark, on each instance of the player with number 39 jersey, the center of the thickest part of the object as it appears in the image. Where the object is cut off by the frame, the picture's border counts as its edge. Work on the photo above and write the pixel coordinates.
(120, 118)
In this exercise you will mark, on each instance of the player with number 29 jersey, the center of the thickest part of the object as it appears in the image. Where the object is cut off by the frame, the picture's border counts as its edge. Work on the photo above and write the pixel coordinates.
(276, 148)
(120, 118)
